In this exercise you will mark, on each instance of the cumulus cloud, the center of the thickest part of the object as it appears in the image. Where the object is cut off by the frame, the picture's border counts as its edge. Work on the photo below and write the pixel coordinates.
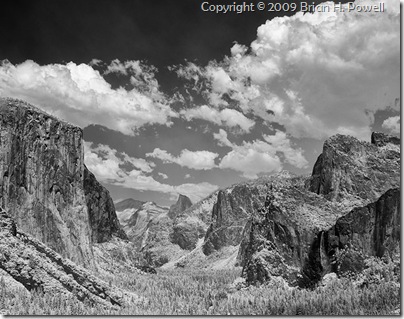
(226, 117)
(251, 161)
(79, 94)
(221, 137)
(164, 176)
(198, 160)
(109, 164)
(258, 156)
(115, 168)
(392, 124)
(280, 143)
(217, 83)
(316, 74)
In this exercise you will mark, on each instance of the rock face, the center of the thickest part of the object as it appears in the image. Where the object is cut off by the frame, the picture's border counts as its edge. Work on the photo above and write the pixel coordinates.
(186, 233)
(381, 139)
(103, 220)
(230, 213)
(137, 221)
(349, 168)
(35, 265)
(191, 225)
(182, 204)
(278, 237)
(147, 226)
(372, 230)
(347, 210)
(42, 185)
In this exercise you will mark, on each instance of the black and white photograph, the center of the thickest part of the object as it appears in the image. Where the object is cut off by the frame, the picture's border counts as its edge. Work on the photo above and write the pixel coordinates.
(200, 158)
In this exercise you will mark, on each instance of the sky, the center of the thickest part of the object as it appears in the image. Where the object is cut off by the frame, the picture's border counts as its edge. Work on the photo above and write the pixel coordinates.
(174, 100)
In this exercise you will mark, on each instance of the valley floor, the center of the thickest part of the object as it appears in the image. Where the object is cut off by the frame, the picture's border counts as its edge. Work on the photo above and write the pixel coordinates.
(214, 292)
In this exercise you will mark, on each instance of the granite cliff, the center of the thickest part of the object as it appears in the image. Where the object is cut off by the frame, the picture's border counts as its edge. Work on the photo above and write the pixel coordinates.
(182, 204)
(348, 208)
(372, 230)
(45, 186)
(137, 218)
(350, 169)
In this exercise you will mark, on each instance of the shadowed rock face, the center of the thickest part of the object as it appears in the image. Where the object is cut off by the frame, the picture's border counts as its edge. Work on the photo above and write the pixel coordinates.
(276, 240)
(372, 230)
(186, 233)
(103, 220)
(191, 225)
(42, 182)
(182, 204)
(35, 265)
(230, 213)
(381, 139)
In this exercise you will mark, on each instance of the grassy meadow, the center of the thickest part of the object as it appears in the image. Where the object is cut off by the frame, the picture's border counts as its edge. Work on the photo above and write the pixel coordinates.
(191, 292)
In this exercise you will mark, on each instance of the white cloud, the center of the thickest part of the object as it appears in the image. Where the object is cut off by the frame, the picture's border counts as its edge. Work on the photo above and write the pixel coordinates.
(110, 166)
(195, 192)
(199, 160)
(316, 74)
(251, 162)
(392, 124)
(281, 143)
(222, 138)
(80, 95)
(227, 117)
(164, 176)
(252, 158)
(124, 68)
(107, 163)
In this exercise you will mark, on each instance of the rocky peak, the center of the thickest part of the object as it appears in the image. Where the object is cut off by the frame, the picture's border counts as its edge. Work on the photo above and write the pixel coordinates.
(350, 169)
(182, 204)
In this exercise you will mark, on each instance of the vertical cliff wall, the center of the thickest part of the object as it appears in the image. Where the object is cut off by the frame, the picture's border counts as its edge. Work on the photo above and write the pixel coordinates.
(101, 210)
(349, 168)
(42, 181)
(371, 230)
